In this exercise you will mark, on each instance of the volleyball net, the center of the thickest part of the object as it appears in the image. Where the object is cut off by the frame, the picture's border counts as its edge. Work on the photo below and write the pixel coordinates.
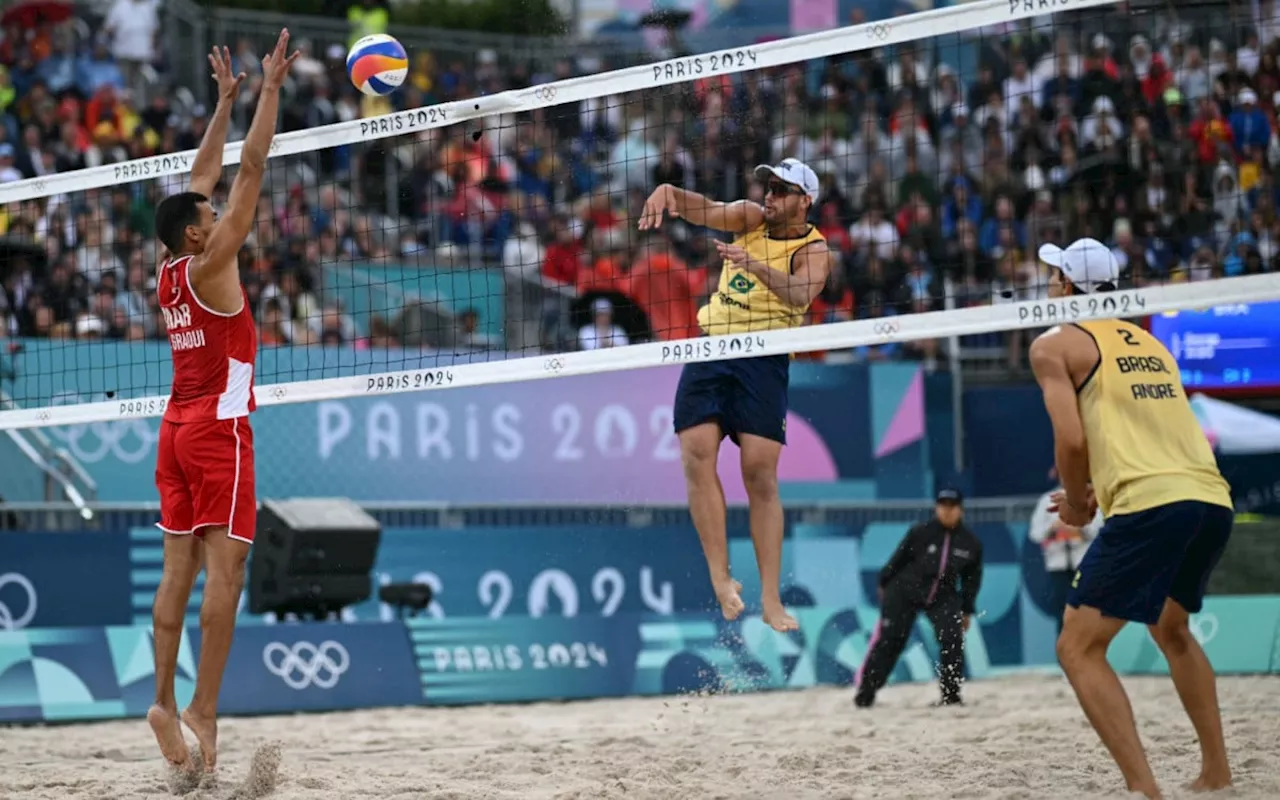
(494, 238)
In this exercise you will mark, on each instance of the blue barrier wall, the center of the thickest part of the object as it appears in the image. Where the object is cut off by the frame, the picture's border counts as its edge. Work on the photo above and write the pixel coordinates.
(532, 613)
(1008, 440)
(105, 578)
(368, 289)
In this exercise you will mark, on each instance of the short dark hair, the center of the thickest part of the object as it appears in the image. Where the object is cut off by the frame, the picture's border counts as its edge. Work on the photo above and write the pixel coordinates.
(1077, 291)
(174, 214)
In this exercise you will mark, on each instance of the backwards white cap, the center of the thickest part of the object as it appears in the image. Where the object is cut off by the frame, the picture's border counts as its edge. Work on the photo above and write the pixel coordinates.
(1087, 263)
(794, 172)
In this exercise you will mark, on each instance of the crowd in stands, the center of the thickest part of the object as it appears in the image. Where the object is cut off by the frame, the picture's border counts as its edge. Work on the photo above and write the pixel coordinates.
(1152, 134)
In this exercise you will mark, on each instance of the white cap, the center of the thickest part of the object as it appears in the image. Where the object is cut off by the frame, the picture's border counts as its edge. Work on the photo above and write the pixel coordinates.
(1087, 263)
(89, 325)
(794, 172)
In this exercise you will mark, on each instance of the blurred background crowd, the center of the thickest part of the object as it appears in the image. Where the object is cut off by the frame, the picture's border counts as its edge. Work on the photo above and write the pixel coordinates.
(940, 174)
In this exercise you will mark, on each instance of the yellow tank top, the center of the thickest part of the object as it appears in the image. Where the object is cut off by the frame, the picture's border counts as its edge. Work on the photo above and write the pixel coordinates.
(1146, 447)
(743, 303)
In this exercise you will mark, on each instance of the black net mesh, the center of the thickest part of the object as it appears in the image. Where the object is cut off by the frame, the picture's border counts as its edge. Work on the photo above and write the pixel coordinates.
(943, 165)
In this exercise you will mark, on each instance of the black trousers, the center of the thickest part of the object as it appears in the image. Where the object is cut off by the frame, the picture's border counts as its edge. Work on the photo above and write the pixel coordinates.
(897, 618)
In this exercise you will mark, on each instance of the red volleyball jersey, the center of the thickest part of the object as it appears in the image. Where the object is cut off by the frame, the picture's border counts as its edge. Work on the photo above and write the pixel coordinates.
(213, 353)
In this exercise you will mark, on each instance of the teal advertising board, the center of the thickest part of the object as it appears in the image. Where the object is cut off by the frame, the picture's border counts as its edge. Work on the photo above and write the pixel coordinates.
(104, 673)
(1240, 635)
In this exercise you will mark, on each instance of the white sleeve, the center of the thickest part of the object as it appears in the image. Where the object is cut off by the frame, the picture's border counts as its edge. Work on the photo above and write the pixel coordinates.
(1042, 520)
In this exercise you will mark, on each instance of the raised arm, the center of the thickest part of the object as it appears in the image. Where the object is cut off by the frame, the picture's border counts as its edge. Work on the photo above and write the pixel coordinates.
(736, 217)
(207, 169)
(216, 267)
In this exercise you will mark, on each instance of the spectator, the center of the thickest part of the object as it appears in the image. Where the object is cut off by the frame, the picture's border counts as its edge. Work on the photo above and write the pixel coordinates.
(98, 69)
(602, 331)
(8, 172)
(367, 17)
(1003, 222)
(874, 234)
(133, 26)
(1250, 128)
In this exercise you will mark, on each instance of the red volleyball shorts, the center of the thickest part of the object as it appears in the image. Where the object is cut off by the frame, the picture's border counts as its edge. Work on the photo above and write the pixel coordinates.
(204, 473)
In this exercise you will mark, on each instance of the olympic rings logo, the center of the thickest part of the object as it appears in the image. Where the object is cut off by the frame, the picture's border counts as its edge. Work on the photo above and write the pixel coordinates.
(304, 664)
(553, 365)
(545, 93)
(130, 441)
(879, 31)
(887, 328)
(8, 621)
(1204, 627)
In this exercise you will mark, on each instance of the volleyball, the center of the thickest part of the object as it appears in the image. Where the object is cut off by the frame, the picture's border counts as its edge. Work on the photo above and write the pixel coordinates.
(377, 64)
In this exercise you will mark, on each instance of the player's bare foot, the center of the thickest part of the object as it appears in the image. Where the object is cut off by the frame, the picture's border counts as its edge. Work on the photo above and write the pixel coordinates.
(168, 731)
(206, 731)
(730, 596)
(1151, 792)
(776, 617)
(1210, 783)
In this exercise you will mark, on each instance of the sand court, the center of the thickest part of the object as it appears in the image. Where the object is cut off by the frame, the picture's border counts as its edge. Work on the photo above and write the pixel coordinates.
(1020, 737)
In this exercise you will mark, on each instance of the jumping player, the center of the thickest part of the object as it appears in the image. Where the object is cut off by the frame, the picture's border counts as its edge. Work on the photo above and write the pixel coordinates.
(204, 468)
(1121, 420)
(772, 271)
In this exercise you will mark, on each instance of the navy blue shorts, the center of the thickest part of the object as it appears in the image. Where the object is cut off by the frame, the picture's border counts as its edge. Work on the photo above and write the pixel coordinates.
(1140, 559)
(745, 395)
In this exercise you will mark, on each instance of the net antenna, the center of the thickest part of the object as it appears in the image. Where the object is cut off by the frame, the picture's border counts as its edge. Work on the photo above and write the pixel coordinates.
(1030, 314)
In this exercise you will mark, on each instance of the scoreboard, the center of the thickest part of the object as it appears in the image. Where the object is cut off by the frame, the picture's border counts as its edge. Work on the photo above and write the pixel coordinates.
(1234, 347)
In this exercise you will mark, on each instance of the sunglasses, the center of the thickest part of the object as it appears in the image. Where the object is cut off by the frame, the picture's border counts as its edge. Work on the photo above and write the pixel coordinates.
(779, 188)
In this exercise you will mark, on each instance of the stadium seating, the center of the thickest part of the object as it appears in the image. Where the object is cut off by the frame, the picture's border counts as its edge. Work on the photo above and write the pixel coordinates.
(936, 190)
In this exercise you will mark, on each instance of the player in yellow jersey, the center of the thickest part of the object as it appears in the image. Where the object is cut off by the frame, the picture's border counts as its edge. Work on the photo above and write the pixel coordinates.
(775, 266)
(1126, 441)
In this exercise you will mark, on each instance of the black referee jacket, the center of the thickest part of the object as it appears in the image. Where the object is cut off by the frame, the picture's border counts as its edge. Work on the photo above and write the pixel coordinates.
(934, 563)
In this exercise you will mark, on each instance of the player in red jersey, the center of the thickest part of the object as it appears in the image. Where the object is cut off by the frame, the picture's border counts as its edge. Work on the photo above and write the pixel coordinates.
(204, 468)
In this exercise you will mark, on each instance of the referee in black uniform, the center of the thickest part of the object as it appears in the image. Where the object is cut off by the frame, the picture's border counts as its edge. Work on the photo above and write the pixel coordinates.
(936, 569)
